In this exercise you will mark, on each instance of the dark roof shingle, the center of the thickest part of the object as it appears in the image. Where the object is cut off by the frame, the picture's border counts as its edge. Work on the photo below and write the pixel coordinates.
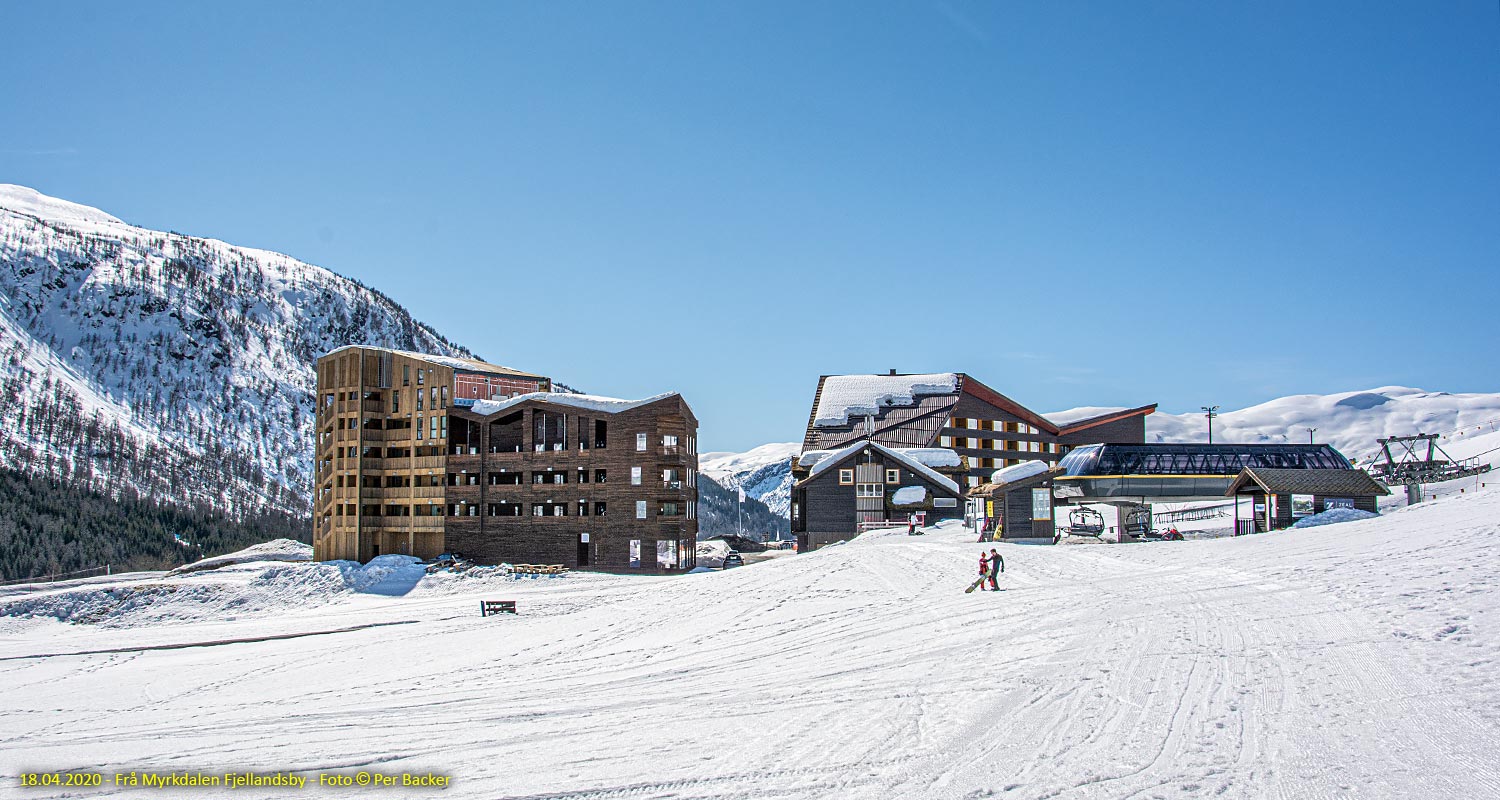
(1334, 482)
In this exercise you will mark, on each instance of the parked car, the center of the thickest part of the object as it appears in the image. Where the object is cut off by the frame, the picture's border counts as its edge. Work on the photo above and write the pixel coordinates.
(733, 560)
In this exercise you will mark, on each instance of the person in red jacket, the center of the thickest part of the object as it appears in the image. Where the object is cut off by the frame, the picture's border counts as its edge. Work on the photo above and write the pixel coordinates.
(984, 569)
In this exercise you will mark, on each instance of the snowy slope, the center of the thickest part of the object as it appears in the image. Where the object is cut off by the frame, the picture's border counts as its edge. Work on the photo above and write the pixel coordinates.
(1358, 660)
(1350, 421)
(765, 472)
(173, 366)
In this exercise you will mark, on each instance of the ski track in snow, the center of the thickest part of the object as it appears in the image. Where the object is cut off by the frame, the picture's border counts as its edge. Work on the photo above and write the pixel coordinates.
(1352, 660)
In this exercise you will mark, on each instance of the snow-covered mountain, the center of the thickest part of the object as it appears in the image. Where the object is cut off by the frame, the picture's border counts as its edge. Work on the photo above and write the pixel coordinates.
(173, 366)
(1350, 421)
(765, 473)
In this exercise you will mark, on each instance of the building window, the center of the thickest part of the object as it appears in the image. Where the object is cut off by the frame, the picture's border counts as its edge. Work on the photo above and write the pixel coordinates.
(640, 509)
(419, 419)
(945, 441)
(893, 476)
(421, 376)
(599, 509)
(846, 477)
(796, 512)
(537, 509)
(405, 374)
(419, 395)
(640, 442)
(668, 510)
(635, 476)
(870, 490)
(599, 475)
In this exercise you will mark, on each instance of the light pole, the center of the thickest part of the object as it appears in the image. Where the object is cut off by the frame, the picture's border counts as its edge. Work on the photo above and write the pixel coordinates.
(1210, 412)
(1309, 435)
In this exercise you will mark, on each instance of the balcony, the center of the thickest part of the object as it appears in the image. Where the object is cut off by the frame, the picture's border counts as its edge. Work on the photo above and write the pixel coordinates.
(427, 492)
(371, 492)
(674, 485)
(427, 462)
(373, 406)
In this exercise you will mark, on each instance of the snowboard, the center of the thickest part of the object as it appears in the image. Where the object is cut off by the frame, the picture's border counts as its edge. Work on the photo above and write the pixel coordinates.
(975, 585)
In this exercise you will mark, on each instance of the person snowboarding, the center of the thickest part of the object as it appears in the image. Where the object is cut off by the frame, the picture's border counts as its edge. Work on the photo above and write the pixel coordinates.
(997, 566)
(984, 573)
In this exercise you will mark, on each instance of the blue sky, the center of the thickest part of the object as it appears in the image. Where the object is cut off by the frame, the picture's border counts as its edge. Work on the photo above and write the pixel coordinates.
(1078, 203)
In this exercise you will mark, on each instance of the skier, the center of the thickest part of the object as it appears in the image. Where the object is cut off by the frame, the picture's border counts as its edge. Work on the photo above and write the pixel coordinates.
(997, 566)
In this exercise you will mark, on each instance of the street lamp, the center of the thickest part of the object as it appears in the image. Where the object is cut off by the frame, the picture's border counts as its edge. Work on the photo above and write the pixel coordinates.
(1210, 412)
(1309, 435)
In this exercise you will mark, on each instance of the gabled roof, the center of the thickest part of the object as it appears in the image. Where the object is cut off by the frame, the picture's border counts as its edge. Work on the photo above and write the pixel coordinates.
(973, 386)
(1335, 482)
(1022, 482)
(1101, 419)
(587, 402)
(825, 462)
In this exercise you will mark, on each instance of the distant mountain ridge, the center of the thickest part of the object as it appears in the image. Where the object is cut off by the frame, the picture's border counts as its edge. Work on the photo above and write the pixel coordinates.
(171, 367)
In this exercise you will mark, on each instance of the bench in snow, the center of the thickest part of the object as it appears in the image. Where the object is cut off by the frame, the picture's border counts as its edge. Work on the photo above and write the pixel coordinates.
(488, 607)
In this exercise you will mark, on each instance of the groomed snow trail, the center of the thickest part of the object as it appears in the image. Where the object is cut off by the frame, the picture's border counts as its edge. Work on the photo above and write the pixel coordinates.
(1353, 660)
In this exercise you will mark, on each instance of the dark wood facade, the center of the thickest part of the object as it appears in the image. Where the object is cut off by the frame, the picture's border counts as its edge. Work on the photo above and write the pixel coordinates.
(990, 430)
(381, 444)
(541, 481)
(1021, 510)
(859, 488)
(1272, 492)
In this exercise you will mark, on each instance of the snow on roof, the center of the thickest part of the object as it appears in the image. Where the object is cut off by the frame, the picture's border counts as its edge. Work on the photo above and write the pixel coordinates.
(823, 459)
(863, 395)
(588, 402)
(933, 456)
(909, 496)
(1016, 472)
(454, 362)
(1062, 419)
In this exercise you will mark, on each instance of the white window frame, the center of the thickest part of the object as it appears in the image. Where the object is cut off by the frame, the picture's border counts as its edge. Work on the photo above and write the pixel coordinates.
(892, 475)
(846, 477)
(640, 442)
(640, 509)
(869, 490)
(635, 476)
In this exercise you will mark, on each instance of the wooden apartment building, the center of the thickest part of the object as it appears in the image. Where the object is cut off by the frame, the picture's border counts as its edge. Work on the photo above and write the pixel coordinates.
(421, 455)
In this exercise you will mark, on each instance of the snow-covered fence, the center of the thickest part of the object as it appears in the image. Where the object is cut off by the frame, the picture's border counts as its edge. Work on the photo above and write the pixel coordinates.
(38, 583)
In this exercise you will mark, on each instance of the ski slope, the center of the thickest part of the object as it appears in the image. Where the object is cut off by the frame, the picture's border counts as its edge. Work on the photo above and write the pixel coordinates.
(1355, 660)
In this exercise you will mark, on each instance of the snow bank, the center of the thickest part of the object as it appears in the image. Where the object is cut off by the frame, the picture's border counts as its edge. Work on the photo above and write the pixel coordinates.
(909, 496)
(863, 395)
(229, 591)
(711, 553)
(1016, 472)
(275, 550)
(1334, 516)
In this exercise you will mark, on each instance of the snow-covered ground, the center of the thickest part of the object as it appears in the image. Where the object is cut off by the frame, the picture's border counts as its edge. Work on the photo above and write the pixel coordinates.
(1351, 660)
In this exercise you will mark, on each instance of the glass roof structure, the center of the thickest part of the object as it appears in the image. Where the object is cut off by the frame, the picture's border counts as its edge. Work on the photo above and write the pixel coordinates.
(1100, 460)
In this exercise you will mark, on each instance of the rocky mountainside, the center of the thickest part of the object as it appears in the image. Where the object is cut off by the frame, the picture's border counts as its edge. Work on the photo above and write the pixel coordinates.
(169, 367)
(765, 473)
